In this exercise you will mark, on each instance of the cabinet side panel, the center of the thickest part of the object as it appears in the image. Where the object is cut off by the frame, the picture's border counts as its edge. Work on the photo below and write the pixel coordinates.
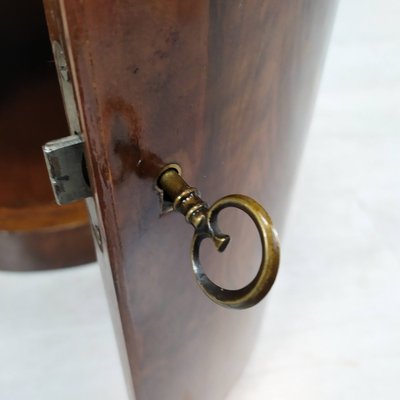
(224, 88)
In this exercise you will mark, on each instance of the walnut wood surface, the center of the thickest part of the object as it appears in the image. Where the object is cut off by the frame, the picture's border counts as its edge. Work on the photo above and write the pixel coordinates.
(35, 233)
(224, 88)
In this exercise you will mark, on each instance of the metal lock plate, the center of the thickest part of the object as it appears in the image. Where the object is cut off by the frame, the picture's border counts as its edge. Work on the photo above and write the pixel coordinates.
(65, 157)
(66, 165)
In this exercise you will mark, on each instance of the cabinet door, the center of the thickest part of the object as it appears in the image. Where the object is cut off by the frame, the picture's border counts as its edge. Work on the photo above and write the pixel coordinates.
(225, 89)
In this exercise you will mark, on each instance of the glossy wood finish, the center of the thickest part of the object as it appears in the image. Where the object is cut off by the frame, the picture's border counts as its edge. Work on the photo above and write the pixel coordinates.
(224, 88)
(35, 233)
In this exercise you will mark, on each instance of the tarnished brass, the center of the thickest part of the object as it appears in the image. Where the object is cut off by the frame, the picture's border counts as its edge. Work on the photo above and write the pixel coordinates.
(186, 200)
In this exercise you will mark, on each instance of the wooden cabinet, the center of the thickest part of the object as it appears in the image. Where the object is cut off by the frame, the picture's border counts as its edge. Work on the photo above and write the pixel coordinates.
(35, 233)
(225, 89)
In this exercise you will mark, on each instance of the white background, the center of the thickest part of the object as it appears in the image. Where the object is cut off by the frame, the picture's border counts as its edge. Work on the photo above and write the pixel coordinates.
(332, 329)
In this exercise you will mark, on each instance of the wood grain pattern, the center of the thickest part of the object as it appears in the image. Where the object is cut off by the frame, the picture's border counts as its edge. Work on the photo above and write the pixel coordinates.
(224, 88)
(35, 233)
